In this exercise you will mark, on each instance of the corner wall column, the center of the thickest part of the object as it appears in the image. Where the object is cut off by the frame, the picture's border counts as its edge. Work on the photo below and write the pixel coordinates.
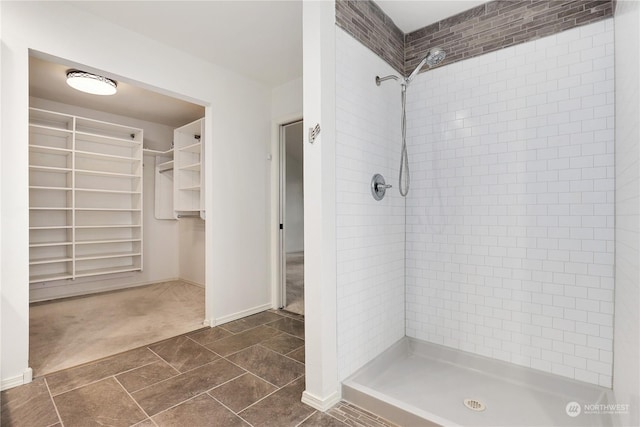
(322, 386)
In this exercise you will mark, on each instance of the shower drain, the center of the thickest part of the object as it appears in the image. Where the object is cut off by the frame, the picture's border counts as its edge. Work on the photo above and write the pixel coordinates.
(474, 405)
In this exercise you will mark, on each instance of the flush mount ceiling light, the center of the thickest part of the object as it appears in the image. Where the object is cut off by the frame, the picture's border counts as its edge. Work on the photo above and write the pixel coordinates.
(91, 83)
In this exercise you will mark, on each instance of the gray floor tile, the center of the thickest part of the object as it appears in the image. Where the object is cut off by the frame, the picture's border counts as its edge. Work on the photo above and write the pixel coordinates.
(68, 379)
(165, 394)
(242, 392)
(199, 411)
(210, 335)
(235, 343)
(250, 322)
(268, 365)
(104, 403)
(146, 375)
(183, 353)
(283, 344)
(297, 354)
(28, 405)
(281, 409)
(290, 326)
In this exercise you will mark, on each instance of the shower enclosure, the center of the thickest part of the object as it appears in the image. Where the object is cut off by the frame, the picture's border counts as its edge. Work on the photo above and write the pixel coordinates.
(499, 262)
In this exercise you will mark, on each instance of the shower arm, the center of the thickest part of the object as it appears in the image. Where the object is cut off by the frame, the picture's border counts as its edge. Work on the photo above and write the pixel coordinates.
(385, 78)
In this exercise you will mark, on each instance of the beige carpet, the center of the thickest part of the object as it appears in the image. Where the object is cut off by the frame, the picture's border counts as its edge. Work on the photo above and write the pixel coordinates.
(72, 331)
(295, 282)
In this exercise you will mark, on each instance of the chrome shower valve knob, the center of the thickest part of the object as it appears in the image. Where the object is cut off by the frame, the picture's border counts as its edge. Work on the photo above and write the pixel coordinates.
(378, 186)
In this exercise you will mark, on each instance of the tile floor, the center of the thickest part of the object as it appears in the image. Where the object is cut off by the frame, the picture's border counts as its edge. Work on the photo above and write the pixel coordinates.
(245, 373)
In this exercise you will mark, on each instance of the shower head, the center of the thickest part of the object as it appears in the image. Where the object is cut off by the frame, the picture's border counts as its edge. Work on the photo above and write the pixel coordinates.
(433, 58)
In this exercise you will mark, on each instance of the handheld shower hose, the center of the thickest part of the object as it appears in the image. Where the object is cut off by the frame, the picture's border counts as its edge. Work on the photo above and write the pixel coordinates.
(404, 157)
(433, 58)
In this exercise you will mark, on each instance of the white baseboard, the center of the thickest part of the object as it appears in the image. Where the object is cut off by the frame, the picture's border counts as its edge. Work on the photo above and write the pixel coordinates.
(200, 285)
(67, 289)
(321, 404)
(25, 378)
(239, 315)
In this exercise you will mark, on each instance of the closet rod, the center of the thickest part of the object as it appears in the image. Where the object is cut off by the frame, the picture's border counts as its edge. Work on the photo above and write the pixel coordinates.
(165, 170)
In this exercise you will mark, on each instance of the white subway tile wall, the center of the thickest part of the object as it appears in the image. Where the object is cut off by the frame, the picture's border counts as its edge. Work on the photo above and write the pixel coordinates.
(370, 234)
(510, 217)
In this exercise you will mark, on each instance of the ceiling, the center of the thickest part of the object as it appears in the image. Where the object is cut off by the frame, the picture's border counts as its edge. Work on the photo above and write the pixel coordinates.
(47, 80)
(410, 15)
(258, 39)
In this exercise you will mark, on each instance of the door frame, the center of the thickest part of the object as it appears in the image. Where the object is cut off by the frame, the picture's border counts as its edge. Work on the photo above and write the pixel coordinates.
(278, 203)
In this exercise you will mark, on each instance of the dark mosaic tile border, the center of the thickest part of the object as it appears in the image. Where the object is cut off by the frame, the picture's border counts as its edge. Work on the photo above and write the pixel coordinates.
(499, 24)
(365, 21)
(482, 29)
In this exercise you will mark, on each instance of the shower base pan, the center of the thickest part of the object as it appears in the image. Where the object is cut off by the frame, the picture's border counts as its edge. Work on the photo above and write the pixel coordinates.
(414, 383)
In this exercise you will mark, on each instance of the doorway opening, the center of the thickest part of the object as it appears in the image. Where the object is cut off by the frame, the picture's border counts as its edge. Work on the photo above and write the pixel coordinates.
(116, 218)
(292, 218)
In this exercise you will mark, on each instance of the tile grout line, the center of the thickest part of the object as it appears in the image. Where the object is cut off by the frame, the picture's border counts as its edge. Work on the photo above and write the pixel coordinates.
(199, 394)
(246, 370)
(153, 421)
(54, 403)
(250, 328)
(178, 373)
(335, 418)
(134, 400)
(273, 392)
(177, 404)
(165, 361)
(279, 354)
(229, 380)
(112, 375)
(361, 413)
(310, 415)
(237, 414)
(181, 373)
(243, 349)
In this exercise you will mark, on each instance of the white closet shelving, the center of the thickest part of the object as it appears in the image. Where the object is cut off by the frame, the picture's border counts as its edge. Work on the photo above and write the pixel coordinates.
(85, 197)
(163, 201)
(188, 173)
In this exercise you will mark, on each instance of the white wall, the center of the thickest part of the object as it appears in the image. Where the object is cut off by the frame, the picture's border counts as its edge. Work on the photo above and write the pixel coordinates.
(238, 114)
(370, 233)
(286, 101)
(322, 388)
(192, 250)
(510, 219)
(286, 107)
(626, 351)
(160, 242)
(1, 202)
(294, 203)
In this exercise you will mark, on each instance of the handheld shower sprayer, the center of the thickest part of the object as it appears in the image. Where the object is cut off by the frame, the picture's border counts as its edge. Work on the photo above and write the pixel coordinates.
(434, 57)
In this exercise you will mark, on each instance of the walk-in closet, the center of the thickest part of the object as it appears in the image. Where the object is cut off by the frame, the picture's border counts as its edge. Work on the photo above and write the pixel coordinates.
(116, 216)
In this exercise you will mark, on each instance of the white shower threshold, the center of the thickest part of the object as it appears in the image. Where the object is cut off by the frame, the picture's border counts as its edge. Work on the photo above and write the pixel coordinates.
(415, 383)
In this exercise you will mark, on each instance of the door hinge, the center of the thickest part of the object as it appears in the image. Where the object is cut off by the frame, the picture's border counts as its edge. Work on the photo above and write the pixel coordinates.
(281, 227)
